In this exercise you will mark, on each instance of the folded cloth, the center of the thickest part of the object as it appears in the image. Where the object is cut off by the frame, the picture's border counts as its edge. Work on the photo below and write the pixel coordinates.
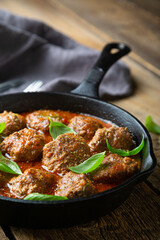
(30, 50)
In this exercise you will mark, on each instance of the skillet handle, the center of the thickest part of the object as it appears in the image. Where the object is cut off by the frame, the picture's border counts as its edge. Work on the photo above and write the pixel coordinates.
(90, 85)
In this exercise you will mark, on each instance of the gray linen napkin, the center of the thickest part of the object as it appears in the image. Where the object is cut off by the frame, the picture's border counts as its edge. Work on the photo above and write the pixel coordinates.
(30, 50)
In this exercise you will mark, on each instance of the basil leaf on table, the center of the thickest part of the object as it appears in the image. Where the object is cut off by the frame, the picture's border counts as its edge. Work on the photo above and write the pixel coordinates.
(2, 127)
(90, 164)
(44, 197)
(9, 166)
(58, 128)
(151, 125)
(124, 153)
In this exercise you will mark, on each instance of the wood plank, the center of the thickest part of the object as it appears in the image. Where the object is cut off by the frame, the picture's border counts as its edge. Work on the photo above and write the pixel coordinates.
(138, 216)
(154, 178)
(2, 234)
(123, 20)
(151, 6)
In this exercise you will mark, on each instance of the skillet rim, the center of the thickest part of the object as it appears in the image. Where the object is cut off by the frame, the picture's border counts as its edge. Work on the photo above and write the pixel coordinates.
(134, 179)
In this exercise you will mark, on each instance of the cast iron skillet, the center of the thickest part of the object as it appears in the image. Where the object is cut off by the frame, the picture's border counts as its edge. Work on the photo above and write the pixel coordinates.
(64, 213)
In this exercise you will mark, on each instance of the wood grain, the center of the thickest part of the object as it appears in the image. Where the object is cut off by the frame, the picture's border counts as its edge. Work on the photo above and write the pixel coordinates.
(135, 22)
(2, 235)
(133, 218)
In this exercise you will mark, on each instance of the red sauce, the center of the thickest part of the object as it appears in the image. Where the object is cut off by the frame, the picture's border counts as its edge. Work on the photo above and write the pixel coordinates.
(101, 187)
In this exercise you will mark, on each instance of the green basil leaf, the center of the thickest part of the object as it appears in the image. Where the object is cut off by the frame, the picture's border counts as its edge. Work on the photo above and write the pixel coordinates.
(126, 153)
(58, 128)
(44, 197)
(2, 127)
(152, 126)
(9, 166)
(89, 165)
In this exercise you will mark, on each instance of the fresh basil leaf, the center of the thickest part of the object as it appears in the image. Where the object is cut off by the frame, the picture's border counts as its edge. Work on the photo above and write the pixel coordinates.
(2, 127)
(44, 197)
(9, 166)
(152, 126)
(126, 153)
(89, 165)
(58, 128)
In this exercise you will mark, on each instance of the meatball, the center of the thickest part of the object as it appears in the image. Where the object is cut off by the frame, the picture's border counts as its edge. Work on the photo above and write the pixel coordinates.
(24, 145)
(118, 137)
(115, 168)
(74, 185)
(66, 151)
(13, 122)
(4, 178)
(39, 120)
(84, 126)
(31, 181)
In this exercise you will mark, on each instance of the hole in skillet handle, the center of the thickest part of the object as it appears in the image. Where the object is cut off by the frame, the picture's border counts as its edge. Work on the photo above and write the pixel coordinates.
(109, 55)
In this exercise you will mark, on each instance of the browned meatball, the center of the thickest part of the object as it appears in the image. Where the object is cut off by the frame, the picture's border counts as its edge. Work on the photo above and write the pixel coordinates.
(32, 180)
(118, 137)
(74, 185)
(24, 145)
(66, 151)
(14, 122)
(39, 120)
(84, 126)
(115, 168)
(4, 178)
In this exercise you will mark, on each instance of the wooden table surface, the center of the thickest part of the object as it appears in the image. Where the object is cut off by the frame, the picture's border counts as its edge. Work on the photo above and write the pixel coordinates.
(94, 23)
